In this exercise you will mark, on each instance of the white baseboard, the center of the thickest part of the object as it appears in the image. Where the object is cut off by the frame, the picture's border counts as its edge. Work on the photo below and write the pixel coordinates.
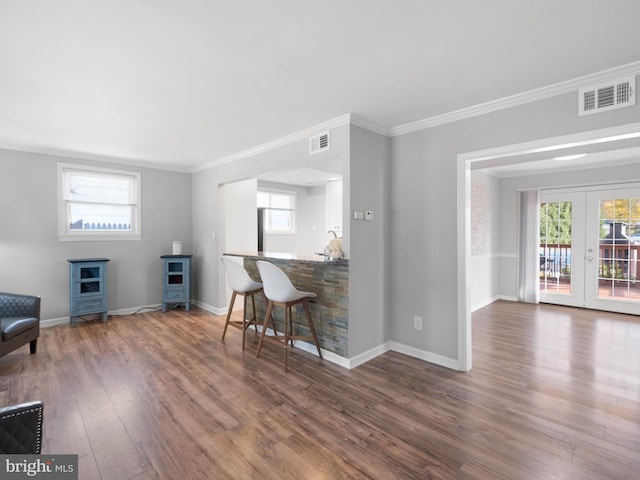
(370, 354)
(211, 308)
(507, 298)
(426, 356)
(134, 310)
(52, 322)
(491, 300)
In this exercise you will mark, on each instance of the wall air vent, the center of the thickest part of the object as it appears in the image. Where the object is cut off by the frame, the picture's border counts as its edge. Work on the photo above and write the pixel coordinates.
(609, 96)
(319, 143)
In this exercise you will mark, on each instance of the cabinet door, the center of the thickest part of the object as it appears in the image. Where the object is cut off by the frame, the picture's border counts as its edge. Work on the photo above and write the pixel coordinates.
(175, 272)
(89, 279)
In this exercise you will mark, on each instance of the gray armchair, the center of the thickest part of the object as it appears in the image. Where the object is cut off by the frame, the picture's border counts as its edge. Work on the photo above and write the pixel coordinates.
(19, 322)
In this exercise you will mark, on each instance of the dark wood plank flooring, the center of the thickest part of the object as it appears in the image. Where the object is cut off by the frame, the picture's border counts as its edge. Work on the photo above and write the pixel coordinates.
(554, 394)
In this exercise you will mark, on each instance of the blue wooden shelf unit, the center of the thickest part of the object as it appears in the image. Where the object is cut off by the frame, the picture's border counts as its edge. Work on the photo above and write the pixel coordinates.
(176, 281)
(87, 287)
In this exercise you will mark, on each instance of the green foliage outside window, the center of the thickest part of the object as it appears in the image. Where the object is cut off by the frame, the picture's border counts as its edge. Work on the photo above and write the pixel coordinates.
(620, 210)
(555, 223)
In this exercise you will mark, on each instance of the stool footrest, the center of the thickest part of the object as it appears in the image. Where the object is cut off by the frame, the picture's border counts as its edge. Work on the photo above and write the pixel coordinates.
(281, 339)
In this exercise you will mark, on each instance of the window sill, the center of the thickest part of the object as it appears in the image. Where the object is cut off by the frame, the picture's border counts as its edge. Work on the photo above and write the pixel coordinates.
(99, 237)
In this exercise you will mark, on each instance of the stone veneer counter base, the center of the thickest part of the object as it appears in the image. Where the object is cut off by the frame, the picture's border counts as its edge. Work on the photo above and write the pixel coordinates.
(328, 279)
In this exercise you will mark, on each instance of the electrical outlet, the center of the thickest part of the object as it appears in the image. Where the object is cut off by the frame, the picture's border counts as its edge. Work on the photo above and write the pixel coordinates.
(368, 215)
(417, 322)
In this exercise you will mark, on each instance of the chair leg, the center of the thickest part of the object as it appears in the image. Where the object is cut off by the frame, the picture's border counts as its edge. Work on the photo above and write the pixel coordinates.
(273, 322)
(311, 327)
(255, 315)
(33, 346)
(291, 325)
(226, 323)
(264, 327)
(288, 332)
(244, 320)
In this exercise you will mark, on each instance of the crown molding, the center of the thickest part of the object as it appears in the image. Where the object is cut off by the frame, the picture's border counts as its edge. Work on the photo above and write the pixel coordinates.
(359, 121)
(73, 155)
(519, 99)
(280, 142)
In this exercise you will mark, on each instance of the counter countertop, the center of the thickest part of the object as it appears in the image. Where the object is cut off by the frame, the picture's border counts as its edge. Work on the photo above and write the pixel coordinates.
(296, 257)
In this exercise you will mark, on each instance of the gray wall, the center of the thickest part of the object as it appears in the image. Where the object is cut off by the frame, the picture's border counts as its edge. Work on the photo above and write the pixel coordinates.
(362, 158)
(404, 263)
(209, 281)
(35, 262)
(423, 202)
(369, 240)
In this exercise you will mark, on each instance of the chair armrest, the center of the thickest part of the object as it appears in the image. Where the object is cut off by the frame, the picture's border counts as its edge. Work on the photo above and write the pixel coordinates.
(15, 305)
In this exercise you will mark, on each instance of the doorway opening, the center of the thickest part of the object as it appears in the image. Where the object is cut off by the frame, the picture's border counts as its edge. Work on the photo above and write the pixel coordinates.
(619, 137)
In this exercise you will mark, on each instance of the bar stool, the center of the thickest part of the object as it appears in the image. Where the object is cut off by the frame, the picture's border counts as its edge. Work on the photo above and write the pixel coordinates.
(279, 291)
(241, 284)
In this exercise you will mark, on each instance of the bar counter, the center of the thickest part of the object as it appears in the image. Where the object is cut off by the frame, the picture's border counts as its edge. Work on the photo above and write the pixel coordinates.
(328, 279)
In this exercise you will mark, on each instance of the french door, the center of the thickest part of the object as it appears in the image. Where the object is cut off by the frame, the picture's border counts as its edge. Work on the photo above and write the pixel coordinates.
(589, 249)
(562, 269)
(612, 244)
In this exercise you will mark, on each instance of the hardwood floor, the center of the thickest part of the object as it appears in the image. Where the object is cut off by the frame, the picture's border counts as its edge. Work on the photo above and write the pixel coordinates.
(554, 394)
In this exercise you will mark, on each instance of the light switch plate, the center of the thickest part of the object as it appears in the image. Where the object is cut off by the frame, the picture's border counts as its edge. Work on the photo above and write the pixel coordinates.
(358, 215)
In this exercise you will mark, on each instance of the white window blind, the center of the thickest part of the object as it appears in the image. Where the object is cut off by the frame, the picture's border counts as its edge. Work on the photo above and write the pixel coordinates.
(97, 203)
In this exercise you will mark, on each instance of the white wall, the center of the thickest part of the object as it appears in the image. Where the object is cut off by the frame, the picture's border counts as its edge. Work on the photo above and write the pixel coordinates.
(485, 233)
(240, 215)
(238, 208)
(311, 234)
(35, 262)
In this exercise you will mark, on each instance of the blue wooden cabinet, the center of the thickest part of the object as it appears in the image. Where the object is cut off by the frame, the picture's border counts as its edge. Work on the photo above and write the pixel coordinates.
(176, 281)
(87, 287)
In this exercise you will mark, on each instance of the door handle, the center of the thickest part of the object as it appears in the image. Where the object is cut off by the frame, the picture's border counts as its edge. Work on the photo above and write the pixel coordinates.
(590, 259)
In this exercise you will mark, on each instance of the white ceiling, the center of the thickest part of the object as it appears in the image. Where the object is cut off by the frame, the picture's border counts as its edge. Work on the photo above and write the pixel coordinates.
(304, 177)
(184, 83)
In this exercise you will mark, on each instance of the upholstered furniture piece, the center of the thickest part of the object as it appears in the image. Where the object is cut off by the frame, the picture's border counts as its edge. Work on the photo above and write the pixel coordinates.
(21, 428)
(19, 322)
(280, 291)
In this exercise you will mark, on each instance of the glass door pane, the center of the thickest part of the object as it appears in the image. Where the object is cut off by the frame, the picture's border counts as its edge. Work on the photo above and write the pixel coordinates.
(618, 251)
(613, 241)
(562, 250)
(556, 227)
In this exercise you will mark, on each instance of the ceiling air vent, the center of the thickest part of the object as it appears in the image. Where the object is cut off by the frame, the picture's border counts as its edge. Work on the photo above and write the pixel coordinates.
(609, 96)
(319, 143)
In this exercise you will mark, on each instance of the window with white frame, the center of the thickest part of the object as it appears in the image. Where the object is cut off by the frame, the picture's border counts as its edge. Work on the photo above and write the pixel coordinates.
(98, 203)
(279, 210)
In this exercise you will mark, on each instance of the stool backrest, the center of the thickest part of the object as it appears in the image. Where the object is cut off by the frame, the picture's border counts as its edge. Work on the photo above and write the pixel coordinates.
(277, 286)
(237, 277)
